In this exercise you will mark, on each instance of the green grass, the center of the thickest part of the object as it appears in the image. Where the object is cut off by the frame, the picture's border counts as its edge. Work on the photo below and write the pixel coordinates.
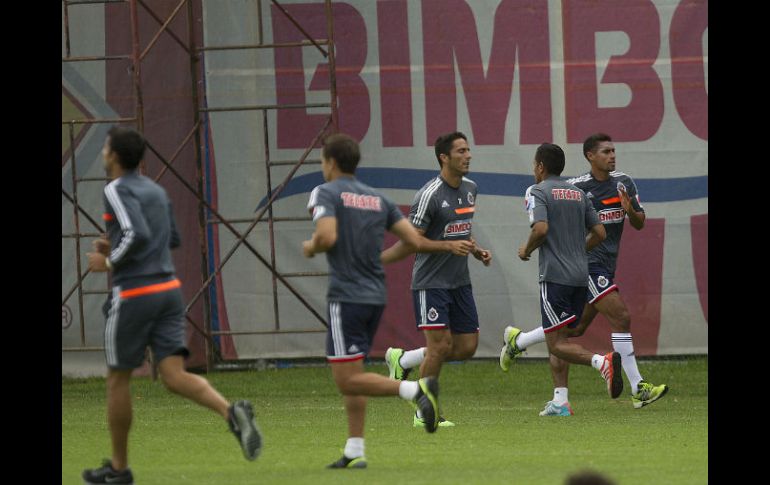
(499, 437)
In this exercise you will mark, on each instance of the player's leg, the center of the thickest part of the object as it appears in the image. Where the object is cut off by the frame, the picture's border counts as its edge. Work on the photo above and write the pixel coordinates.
(119, 414)
(400, 362)
(351, 331)
(561, 305)
(463, 323)
(614, 309)
(125, 337)
(560, 405)
(168, 342)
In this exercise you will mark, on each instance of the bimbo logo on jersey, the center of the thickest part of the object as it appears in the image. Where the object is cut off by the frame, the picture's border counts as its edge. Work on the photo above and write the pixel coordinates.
(457, 228)
(359, 201)
(611, 215)
(566, 194)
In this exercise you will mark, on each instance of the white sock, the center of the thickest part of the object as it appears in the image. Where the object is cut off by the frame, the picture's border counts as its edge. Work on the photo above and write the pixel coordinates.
(624, 345)
(408, 389)
(354, 448)
(525, 339)
(412, 358)
(560, 395)
(597, 361)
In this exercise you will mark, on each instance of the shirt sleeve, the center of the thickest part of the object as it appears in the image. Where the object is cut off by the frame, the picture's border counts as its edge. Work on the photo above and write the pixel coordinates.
(633, 193)
(134, 232)
(322, 203)
(394, 213)
(537, 205)
(421, 212)
(592, 218)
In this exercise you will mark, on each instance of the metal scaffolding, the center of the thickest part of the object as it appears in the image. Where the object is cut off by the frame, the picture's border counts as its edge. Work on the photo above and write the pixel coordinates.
(196, 54)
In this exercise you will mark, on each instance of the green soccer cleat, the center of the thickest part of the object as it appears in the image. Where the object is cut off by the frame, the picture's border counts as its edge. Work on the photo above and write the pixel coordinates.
(346, 462)
(392, 358)
(647, 394)
(427, 402)
(510, 350)
(420, 423)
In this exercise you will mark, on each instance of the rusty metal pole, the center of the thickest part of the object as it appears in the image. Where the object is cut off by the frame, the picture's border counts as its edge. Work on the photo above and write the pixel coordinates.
(77, 234)
(136, 66)
(66, 28)
(199, 174)
(332, 64)
(270, 219)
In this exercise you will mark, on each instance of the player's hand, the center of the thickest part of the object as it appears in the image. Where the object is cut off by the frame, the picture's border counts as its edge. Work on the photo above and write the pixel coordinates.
(307, 248)
(102, 245)
(483, 255)
(96, 262)
(625, 199)
(460, 248)
(522, 253)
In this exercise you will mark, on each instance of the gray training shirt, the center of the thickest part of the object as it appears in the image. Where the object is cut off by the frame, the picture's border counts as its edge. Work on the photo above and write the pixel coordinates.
(566, 209)
(363, 215)
(606, 201)
(445, 213)
(140, 227)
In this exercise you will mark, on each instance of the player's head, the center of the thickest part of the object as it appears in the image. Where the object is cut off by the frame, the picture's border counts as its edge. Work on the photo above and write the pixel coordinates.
(549, 160)
(453, 149)
(600, 152)
(124, 147)
(342, 151)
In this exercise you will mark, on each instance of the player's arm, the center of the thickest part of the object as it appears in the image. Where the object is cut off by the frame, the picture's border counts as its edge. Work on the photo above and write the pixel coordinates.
(323, 239)
(483, 255)
(134, 232)
(596, 234)
(636, 215)
(536, 239)
(414, 241)
(596, 231)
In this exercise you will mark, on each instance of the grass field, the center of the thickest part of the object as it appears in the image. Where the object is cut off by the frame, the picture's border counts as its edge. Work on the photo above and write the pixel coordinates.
(499, 437)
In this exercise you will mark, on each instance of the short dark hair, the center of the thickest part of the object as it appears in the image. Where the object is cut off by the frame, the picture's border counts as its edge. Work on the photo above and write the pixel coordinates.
(552, 158)
(592, 142)
(128, 144)
(344, 149)
(444, 143)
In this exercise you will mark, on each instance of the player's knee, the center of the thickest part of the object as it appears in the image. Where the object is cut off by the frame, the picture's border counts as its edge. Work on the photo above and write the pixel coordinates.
(623, 322)
(441, 349)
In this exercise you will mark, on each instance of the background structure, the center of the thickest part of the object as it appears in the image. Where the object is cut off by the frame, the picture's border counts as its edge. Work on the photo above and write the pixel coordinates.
(233, 94)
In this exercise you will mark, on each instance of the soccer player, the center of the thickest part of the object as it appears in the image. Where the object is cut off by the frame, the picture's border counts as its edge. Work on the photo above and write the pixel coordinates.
(559, 214)
(613, 195)
(441, 286)
(350, 222)
(146, 306)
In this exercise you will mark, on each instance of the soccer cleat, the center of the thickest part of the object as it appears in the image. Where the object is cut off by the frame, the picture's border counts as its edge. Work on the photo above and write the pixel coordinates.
(648, 394)
(419, 422)
(611, 372)
(240, 418)
(393, 359)
(107, 474)
(553, 409)
(510, 350)
(426, 401)
(346, 462)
